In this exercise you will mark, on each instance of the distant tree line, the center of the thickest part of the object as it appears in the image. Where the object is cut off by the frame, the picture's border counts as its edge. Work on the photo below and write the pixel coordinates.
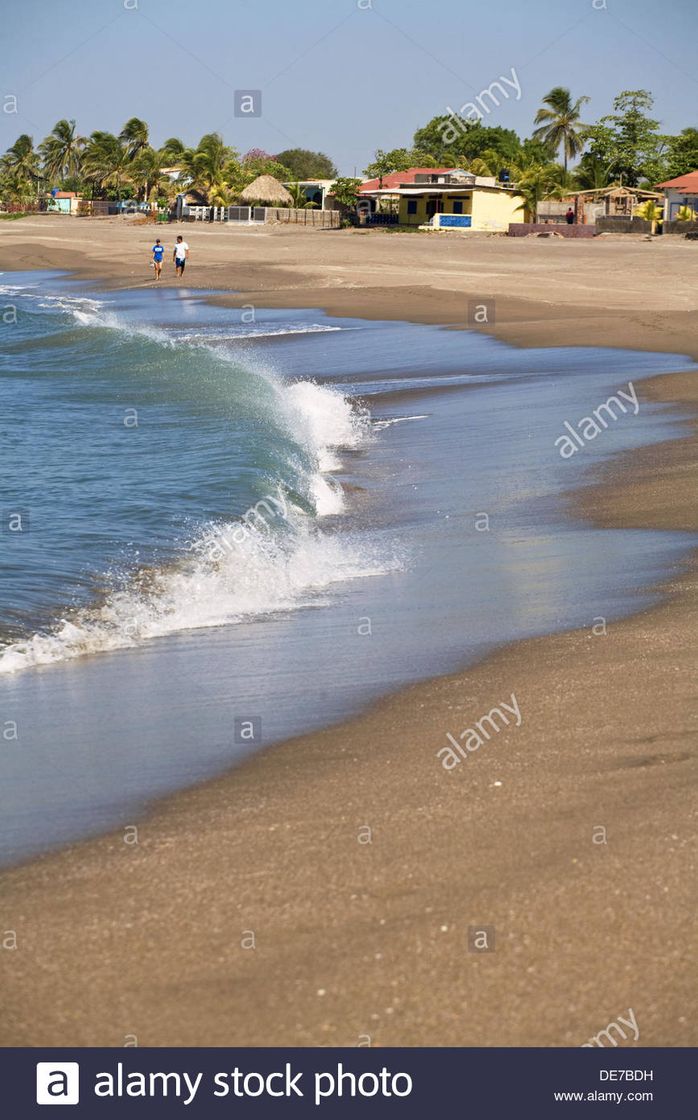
(125, 166)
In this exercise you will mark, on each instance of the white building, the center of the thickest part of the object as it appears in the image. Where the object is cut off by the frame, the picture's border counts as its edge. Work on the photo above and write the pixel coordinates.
(318, 191)
(682, 191)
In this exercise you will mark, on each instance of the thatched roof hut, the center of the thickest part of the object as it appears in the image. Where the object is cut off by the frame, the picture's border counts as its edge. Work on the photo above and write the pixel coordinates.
(267, 191)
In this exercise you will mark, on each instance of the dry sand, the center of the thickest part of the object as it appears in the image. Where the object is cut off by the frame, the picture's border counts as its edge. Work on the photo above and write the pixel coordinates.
(370, 940)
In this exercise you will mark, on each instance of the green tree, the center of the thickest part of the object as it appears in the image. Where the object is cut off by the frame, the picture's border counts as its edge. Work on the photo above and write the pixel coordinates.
(145, 173)
(61, 151)
(592, 172)
(535, 150)
(21, 161)
(682, 153)
(15, 188)
(219, 191)
(346, 192)
(172, 151)
(479, 165)
(628, 142)
(257, 162)
(560, 125)
(304, 164)
(538, 182)
(212, 168)
(106, 163)
(447, 139)
(300, 198)
(134, 136)
(418, 158)
(650, 211)
(384, 163)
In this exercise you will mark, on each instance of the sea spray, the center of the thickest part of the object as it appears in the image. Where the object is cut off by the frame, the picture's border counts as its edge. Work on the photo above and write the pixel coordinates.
(264, 574)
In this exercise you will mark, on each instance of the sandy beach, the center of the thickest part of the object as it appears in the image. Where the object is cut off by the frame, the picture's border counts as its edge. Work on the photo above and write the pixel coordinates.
(323, 893)
(610, 291)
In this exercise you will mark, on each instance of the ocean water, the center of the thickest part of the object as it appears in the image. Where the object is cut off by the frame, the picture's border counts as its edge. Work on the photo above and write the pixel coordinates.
(220, 529)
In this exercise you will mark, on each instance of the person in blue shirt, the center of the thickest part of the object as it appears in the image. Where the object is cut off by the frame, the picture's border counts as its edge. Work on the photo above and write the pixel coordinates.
(158, 254)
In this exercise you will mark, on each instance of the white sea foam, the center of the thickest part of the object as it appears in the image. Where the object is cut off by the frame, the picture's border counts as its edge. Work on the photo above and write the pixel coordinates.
(379, 425)
(324, 420)
(13, 289)
(261, 331)
(101, 316)
(70, 303)
(259, 572)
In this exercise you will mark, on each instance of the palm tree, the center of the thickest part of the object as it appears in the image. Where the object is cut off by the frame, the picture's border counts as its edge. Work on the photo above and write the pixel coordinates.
(592, 173)
(61, 151)
(535, 184)
(211, 166)
(134, 135)
(172, 154)
(21, 159)
(559, 122)
(145, 171)
(650, 211)
(219, 192)
(16, 189)
(300, 198)
(173, 149)
(20, 170)
(106, 162)
(477, 165)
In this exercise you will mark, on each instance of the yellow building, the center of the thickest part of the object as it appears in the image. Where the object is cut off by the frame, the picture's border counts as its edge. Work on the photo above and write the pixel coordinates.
(456, 201)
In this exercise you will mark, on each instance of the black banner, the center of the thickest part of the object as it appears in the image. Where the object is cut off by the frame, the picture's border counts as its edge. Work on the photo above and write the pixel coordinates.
(482, 1083)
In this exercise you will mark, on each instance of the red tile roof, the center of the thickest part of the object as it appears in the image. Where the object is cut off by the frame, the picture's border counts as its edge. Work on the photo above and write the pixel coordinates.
(65, 194)
(688, 183)
(396, 178)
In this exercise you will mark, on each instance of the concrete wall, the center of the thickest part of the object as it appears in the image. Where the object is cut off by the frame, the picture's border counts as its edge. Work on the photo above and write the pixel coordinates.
(623, 225)
(494, 210)
(551, 210)
(524, 229)
(679, 227)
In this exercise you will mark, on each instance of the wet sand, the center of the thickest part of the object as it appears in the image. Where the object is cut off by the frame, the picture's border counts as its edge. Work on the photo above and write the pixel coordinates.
(351, 860)
(613, 290)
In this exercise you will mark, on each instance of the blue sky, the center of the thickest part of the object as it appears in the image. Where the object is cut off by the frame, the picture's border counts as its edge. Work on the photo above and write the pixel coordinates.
(342, 76)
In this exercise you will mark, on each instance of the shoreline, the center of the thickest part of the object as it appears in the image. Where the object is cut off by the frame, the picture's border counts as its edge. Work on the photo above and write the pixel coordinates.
(447, 275)
(343, 949)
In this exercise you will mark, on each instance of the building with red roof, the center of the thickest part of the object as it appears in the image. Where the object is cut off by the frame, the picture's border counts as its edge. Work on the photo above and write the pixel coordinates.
(679, 192)
(434, 199)
(687, 182)
(400, 178)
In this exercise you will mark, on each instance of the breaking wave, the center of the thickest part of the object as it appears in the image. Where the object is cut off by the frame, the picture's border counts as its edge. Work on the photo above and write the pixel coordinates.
(279, 554)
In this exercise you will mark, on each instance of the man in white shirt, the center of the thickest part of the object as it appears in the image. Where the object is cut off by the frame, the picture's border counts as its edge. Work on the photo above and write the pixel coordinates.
(181, 252)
